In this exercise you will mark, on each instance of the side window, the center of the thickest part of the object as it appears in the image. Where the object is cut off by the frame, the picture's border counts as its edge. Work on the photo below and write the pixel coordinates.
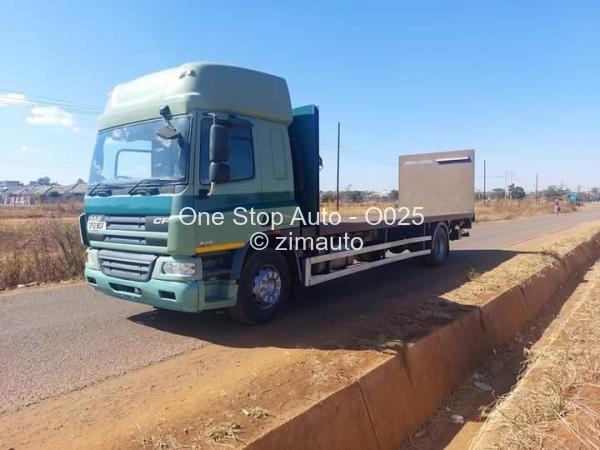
(241, 160)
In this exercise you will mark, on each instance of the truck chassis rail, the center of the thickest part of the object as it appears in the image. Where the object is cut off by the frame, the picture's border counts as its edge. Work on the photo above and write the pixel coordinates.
(388, 258)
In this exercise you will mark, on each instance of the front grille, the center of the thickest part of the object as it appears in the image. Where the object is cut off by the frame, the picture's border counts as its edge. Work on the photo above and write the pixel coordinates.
(136, 223)
(126, 223)
(116, 224)
(127, 266)
(135, 240)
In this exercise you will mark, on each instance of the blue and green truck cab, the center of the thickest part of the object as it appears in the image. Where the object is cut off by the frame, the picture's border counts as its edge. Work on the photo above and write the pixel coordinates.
(178, 153)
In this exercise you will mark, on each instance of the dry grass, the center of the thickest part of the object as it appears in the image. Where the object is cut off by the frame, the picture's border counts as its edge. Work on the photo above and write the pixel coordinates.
(526, 262)
(481, 286)
(472, 274)
(156, 439)
(355, 209)
(48, 211)
(494, 210)
(498, 370)
(550, 407)
(39, 251)
(256, 412)
(224, 430)
(159, 442)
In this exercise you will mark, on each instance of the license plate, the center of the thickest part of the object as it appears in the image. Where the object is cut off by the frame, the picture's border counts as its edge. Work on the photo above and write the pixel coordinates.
(96, 223)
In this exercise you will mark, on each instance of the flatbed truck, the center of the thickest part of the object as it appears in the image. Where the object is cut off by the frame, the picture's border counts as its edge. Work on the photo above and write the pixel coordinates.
(184, 155)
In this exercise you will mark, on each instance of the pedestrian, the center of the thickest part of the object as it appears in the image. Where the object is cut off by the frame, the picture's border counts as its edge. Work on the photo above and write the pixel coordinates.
(556, 208)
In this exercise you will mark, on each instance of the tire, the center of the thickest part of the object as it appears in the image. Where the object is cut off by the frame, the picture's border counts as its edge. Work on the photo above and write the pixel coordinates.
(264, 288)
(440, 247)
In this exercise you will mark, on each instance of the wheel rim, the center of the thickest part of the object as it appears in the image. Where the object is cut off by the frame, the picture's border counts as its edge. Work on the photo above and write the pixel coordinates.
(266, 286)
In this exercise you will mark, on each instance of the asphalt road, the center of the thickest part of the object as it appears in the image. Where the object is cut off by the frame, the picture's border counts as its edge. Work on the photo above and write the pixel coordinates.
(58, 339)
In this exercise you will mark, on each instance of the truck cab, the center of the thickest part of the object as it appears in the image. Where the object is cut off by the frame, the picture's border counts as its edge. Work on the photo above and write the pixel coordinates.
(142, 183)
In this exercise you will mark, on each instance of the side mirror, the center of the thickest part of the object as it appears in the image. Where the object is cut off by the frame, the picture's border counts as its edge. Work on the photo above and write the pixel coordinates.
(219, 143)
(219, 172)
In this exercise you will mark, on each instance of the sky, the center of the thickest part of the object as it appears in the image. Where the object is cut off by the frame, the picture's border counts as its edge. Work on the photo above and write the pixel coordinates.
(517, 81)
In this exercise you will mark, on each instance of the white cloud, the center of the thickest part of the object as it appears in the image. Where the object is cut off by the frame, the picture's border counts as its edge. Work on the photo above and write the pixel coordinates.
(51, 115)
(12, 99)
(41, 115)
(26, 149)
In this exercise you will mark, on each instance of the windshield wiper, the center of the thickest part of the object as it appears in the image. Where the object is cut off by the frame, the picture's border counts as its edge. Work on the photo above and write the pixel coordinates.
(150, 185)
(104, 189)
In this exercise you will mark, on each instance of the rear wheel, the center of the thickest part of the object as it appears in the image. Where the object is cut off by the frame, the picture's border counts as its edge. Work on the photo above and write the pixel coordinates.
(440, 247)
(264, 288)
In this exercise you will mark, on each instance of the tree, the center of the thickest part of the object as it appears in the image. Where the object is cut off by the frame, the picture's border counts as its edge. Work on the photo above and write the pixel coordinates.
(328, 197)
(354, 196)
(44, 181)
(393, 194)
(516, 192)
(553, 192)
(497, 193)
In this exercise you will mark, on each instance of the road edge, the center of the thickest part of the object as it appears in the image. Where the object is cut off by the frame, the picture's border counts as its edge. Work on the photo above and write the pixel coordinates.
(383, 406)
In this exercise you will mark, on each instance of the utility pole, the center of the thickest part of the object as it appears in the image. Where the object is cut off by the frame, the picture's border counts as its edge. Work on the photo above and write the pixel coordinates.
(484, 178)
(536, 188)
(337, 189)
(507, 174)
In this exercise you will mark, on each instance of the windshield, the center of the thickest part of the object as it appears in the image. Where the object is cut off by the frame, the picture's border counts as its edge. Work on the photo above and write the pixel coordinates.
(134, 152)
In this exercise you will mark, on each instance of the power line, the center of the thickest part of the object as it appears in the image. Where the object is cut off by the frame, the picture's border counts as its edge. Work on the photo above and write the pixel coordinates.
(345, 147)
(44, 98)
(32, 104)
(363, 155)
(32, 101)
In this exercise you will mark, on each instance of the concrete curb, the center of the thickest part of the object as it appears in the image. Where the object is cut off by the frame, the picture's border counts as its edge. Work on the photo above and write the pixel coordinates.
(381, 408)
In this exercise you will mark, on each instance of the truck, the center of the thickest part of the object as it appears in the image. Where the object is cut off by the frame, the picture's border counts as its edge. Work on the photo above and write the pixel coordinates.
(202, 177)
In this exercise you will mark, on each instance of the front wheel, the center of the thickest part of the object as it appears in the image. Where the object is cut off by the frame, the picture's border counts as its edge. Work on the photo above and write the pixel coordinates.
(440, 247)
(264, 288)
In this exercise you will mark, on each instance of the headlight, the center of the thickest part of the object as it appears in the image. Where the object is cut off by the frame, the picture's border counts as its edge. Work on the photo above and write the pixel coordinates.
(89, 258)
(179, 268)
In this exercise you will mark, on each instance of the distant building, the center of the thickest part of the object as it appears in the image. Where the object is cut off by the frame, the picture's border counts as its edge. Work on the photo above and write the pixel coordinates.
(17, 195)
(378, 195)
(72, 192)
(7, 183)
(6, 188)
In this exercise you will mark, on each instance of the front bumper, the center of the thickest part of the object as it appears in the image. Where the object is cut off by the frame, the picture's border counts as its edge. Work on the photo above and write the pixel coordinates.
(176, 293)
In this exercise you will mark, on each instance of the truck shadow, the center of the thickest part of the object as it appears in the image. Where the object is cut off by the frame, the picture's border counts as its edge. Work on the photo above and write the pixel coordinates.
(399, 302)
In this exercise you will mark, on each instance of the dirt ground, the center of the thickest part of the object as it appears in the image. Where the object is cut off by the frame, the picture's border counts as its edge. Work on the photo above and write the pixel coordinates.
(186, 402)
(556, 403)
(539, 391)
